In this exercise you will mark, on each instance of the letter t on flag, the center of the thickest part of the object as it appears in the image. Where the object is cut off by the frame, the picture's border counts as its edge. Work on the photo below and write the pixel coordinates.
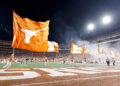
(29, 34)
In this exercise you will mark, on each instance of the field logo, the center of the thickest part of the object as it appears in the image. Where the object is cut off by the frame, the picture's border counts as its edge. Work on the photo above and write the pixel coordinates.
(26, 74)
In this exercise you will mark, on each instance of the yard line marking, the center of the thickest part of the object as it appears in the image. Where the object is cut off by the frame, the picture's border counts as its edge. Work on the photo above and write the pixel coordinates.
(57, 81)
(19, 69)
(91, 68)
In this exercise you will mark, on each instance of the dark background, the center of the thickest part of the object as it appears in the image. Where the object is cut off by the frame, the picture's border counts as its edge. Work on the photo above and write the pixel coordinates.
(68, 18)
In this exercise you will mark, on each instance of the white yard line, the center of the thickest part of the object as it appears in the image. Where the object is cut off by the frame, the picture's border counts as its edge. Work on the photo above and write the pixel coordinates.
(19, 69)
(57, 81)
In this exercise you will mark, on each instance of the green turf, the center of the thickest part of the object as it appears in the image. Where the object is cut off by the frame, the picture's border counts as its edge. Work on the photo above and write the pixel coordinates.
(50, 64)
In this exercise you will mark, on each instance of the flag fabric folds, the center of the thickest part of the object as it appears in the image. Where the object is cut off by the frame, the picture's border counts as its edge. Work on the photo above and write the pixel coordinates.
(100, 50)
(29, 34)
(76, 49)
(112, 54)
(53, 47)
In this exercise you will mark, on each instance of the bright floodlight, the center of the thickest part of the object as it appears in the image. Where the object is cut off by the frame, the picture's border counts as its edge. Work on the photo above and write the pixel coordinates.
(91, 26)
(106, 19)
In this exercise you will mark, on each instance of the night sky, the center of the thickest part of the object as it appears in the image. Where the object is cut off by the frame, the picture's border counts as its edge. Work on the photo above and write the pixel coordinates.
(68, 18)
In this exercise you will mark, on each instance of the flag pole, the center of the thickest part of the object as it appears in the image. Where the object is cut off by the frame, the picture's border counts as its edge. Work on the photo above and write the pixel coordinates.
(32, 54)
(83, 50)
(53, 57)
(13, 52)
(44, 54)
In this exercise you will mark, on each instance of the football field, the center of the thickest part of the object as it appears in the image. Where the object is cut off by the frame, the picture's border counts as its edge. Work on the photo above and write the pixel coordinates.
(50, 64)
(56, 74)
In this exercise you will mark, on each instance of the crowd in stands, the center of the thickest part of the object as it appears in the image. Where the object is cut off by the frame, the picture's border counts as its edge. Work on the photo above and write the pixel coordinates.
(63, 56)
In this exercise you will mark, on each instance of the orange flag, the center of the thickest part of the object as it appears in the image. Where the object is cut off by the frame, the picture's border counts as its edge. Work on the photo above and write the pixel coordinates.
(29, 34)
(76, 49)
(85, 50)
(113, 55)
(53, 47)
(100, 50)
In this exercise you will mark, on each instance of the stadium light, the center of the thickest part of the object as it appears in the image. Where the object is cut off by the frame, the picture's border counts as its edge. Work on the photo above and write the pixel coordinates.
(106, 19)
(91, 26)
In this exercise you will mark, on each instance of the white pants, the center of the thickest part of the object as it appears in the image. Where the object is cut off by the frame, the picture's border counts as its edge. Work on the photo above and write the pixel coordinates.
(46, 63)
(7, 65)
(71, 62)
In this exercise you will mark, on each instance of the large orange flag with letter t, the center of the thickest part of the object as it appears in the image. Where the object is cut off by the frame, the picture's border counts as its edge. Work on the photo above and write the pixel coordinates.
(113, 54)
(86, 50)
(100, 50)
(76, 49)
(29, 34)
(53, 46)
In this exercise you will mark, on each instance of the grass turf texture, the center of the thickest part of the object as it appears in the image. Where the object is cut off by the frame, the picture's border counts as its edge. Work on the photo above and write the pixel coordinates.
(50, 64)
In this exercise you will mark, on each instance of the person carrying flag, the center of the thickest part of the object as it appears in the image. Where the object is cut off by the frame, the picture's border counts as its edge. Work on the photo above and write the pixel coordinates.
(46, 61)
(9, 61)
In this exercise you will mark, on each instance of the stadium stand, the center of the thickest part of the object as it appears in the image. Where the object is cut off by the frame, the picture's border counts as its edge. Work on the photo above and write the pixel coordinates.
(64, 53)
